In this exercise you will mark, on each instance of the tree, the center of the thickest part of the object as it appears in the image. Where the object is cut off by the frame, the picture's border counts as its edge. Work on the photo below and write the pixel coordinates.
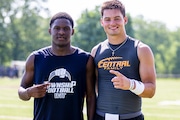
(129, 29)
(4, 42)
(21, 28)
(175, 38)
(89, 31)
(158, 37)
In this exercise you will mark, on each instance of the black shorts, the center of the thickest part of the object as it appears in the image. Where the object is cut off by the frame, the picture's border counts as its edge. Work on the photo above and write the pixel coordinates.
(140, 117)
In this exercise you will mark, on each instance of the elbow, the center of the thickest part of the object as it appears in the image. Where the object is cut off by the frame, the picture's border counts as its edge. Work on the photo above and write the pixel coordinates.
(152, 94)
(23, 98)
(23, 95)
(149, 93)
(153, 91)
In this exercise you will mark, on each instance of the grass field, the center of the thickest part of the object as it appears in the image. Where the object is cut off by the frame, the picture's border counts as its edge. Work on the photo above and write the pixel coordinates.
(165, 105)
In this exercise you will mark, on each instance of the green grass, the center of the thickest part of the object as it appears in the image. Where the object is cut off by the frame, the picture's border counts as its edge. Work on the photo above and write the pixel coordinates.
(11, 107)
(165, 105)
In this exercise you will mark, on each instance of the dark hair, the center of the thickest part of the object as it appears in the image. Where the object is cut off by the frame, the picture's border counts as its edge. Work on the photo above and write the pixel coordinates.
(113, 4)
(61, 15)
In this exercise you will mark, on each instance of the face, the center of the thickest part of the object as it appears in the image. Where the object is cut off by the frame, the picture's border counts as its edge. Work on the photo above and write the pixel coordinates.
(113, 22)
(61, 32)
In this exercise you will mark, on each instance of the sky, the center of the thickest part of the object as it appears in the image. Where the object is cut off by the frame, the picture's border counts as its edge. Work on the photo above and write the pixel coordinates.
(165, 11)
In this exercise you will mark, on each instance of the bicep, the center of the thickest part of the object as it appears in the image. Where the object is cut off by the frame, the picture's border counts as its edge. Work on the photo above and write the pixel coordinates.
(90, 76)
(27, 78)
(147, 66)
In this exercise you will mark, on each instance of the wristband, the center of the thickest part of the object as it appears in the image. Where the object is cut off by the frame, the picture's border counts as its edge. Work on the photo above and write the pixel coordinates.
(139, 86)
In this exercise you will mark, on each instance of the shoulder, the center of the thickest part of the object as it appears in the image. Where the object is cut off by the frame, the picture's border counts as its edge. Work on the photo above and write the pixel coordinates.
(81, 54)
(134, 41)
(139, 44)
(43, 51)
(30, 62)
(144, 51)
(80, 51)
(95, 48)
(31, 57)
(143, 48)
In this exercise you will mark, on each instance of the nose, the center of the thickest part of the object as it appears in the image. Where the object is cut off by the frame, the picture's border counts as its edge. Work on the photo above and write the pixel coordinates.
(112, 22)
(61, 31)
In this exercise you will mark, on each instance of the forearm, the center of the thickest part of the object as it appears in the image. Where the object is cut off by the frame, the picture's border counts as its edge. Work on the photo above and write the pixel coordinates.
(23, 94)
(142, 89)
(149, 90)
(91, 103)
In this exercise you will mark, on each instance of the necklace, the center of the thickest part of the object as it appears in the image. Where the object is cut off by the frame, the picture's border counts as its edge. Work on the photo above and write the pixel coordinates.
(113, 51)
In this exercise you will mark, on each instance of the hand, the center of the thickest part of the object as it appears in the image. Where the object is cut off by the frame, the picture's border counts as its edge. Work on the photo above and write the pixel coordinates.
(120, 81)
(38, 91)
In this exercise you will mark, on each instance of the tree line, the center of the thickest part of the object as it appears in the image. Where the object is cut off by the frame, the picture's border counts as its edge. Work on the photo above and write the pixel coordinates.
(23, 29)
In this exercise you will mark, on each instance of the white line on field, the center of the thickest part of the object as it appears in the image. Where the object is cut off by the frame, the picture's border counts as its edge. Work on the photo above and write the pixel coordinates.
(162, 115)
(14, 117)
(168, 102)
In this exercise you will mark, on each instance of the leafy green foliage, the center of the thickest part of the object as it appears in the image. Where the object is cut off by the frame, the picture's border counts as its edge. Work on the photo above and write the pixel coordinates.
(88, 31)
(22, 29)
(161, 40)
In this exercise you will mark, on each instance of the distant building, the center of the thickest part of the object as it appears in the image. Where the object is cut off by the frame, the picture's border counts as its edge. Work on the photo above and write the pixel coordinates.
(17, 67)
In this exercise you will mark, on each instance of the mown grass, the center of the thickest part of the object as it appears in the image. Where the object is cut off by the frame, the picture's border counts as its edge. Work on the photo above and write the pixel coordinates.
(11, 107)
(165, 105)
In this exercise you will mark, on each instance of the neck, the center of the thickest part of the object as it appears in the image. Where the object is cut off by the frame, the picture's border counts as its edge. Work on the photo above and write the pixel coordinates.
(62, 51)
(114, 40)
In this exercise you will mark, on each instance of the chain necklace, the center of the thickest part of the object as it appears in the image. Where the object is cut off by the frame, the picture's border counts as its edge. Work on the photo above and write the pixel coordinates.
(113, 51)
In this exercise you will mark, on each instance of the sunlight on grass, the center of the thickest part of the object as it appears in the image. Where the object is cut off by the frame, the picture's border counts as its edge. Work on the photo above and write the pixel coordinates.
(165, 105)
(167, 91)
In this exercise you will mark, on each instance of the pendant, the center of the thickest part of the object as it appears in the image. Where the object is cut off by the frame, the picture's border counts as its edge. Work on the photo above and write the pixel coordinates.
(112, 53)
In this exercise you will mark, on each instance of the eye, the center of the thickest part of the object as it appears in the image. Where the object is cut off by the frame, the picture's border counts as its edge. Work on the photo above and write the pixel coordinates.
(56, 28)
(117, 18)
(66, 28)
(107, 19)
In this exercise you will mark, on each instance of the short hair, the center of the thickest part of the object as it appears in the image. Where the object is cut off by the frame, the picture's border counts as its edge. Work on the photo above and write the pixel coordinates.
(62, 15)
(113, 4)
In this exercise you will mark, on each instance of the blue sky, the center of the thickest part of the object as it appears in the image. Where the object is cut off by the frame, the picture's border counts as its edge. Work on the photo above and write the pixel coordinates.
(165, 11)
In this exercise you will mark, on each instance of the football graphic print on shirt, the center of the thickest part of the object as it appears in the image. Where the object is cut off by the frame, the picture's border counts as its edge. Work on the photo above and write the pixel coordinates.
(61, 88)
(113, 63)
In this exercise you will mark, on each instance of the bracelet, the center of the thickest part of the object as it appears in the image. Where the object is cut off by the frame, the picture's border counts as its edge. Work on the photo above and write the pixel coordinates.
(131, 84)
(139, 87)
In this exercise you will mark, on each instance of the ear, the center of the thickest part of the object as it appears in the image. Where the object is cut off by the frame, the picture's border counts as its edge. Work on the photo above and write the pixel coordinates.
(73, 32)
(125, 20)
(49, 30)
(101, 21)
